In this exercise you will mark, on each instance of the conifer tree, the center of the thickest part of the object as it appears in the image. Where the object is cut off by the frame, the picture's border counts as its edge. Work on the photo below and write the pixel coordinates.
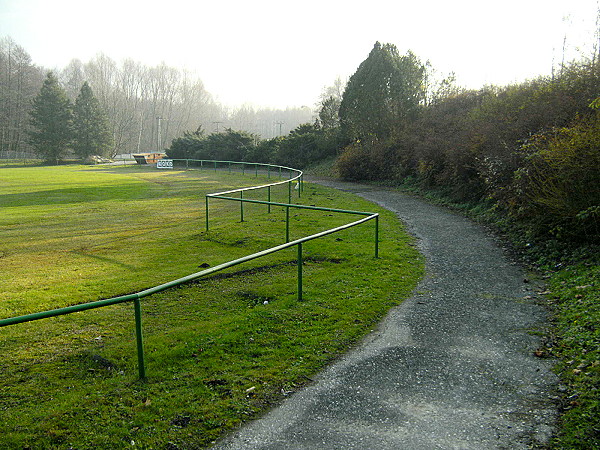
(52, 121)
(383, 94)
(91, 130)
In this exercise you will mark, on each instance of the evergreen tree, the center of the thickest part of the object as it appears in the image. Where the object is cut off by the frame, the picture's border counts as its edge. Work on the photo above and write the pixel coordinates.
(329, 113)
(52, 120)
(383, 94)
(91, 129)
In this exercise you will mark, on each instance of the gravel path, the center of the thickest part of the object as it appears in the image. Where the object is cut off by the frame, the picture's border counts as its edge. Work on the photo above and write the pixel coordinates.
(450, 368)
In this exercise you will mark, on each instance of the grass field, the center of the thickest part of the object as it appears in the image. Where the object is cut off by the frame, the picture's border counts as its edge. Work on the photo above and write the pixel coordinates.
(218, 351)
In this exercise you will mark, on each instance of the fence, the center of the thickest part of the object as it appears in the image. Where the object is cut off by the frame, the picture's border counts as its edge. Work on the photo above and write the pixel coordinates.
(136, 297)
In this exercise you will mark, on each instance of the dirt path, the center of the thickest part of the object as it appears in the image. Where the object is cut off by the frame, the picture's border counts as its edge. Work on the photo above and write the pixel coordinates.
(450, 368)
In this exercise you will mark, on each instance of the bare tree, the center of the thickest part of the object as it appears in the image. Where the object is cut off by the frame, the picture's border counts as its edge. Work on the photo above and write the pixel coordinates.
(20, 82)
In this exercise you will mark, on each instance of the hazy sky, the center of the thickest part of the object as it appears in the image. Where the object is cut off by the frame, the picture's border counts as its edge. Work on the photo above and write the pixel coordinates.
(280, 53)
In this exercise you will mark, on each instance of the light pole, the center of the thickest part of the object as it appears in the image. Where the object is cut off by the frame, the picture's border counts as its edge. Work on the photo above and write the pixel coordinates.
(158, 138)
(217, 123)
(279, 123)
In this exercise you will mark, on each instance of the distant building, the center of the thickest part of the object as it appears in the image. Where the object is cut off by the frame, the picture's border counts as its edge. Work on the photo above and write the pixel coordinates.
(148, 158)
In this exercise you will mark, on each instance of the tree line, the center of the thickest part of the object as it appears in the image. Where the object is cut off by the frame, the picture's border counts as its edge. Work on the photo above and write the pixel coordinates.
(529, 150)
(146, 107)
(20, 81)
(59, 125)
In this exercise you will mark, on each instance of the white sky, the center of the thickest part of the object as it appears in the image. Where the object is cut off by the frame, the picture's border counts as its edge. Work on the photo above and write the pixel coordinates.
(280, 53)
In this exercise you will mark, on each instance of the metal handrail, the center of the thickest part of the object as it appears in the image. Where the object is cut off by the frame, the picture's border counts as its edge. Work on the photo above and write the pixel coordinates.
(135, 297)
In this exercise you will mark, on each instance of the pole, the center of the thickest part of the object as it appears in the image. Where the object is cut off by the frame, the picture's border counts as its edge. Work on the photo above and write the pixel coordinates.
(377, 236)
(287, 224)
(139, 337)
(300, 272)
(279, 123)
(206, 212)
(269, 199)
(241, 206)
(158, 137)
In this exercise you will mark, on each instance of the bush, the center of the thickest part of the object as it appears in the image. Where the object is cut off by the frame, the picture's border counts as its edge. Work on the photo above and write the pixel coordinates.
(371, 161)
(558, 188)
(187, 146)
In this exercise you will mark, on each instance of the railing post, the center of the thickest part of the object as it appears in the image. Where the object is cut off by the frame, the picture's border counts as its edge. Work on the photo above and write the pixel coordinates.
(241, 206)
(289, 192)
(256, 170)
(300, 272)
(243, 168)
(287, 224)
(269, 199)
(377, 236)
(206, 214)
(137, 307)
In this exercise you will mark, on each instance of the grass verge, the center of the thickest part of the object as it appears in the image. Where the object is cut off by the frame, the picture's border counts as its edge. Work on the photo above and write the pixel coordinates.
(575, 292)
(218, 351)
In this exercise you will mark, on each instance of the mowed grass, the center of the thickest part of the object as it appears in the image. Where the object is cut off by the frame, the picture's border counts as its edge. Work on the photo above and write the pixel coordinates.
(219, 350)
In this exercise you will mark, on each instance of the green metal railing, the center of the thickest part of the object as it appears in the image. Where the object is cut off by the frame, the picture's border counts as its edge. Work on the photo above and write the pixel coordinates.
(136, 297)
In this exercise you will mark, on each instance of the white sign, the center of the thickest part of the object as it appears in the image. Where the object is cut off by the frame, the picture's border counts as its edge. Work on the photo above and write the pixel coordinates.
(164, 164)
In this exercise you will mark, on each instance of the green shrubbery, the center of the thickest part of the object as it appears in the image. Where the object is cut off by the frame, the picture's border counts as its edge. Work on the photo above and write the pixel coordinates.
(304, 145)
(532, 149)
(557, 189)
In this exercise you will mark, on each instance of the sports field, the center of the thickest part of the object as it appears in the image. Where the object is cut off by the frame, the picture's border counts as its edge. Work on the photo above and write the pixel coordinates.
(219, 350)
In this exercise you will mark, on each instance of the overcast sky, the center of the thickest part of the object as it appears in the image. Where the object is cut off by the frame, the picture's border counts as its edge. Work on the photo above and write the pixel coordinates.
(278, 53)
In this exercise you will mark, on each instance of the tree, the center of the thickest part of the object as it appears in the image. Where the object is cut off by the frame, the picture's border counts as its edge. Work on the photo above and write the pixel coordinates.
(329, 113)
(188, 146)
(91, 129)
(52, 120)
(20, 81)
(384, 92)
(329, 105)
(230, 145)
(300, 147)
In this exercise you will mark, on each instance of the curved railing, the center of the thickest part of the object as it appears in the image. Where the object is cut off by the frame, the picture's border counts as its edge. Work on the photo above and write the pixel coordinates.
(225, 195)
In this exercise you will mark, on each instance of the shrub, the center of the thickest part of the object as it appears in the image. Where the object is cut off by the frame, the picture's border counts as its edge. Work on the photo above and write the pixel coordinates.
(371, 161)
(558, 189)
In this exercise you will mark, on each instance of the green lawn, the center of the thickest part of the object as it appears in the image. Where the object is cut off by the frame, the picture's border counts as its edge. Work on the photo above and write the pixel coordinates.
(219, 350)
